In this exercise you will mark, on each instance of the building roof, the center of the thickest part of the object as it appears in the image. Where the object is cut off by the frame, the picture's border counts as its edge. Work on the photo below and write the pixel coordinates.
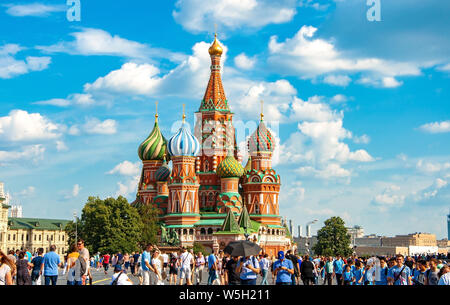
(36, 223)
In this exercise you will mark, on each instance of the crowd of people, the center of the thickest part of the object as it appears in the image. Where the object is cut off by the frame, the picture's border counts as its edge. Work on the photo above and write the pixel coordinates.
(153, 267)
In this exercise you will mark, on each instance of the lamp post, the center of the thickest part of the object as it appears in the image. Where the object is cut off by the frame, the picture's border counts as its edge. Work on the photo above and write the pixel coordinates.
(76, 225)
(308, 233)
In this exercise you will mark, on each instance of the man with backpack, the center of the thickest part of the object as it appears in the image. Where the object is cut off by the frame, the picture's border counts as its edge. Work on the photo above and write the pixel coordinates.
(399, 274)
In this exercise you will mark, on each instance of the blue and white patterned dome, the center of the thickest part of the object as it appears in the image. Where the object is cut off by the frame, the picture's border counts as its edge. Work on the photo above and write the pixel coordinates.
(183, 143)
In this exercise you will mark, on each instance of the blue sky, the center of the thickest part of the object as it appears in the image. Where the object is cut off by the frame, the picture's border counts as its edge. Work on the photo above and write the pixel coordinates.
(360, 109)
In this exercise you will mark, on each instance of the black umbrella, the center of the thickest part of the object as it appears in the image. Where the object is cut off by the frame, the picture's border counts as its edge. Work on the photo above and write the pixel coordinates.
(242, 248)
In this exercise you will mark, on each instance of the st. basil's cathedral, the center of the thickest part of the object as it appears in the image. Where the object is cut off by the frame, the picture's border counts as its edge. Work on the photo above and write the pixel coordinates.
(208, 197)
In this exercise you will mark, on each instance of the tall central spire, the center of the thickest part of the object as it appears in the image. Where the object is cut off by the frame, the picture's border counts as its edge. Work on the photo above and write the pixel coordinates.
(215, 99)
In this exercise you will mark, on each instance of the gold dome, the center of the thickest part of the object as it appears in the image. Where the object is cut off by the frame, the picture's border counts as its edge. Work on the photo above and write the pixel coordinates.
(215, 48)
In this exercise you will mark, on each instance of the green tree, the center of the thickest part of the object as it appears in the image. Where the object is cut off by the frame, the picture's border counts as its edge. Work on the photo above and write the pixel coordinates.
(110, 225)
(333, 239)
(149, 218)
(198, 247)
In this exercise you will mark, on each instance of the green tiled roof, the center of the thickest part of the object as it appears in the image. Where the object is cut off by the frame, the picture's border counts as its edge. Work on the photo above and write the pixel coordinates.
(36, 223)
(179, 226)
(209, 222)
(5, 206)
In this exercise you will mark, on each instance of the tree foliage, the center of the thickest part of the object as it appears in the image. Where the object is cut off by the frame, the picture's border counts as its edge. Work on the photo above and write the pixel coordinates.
(333, 239)
(198, 247)
(149, 218)
(110, 225)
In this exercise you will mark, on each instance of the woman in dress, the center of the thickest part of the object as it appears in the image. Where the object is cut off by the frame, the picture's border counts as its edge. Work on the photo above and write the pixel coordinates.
(6, 270)
(23, 273)
(157, 264)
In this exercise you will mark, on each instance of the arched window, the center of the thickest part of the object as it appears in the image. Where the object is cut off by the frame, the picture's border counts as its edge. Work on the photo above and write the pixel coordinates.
(203, 199)
(202, 231)
(188, 206)
(206, 166)
(210, 231)
(255, 179)
(184, 231)
(191, 232)
(257, 211)
(210, 197)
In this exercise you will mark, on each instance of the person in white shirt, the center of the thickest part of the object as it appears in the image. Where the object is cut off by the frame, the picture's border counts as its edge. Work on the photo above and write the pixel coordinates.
(157, 264)
(445, 278)
(199, 267)
(119, 277)
(185, 260)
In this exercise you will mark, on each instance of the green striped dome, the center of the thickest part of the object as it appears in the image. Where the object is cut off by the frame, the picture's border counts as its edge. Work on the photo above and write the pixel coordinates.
(154, 147)
(229, 167)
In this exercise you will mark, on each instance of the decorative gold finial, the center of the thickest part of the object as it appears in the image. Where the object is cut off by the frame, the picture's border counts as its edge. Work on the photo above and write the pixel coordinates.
(215, 48)
(156, 114)
(184, 115)
(262, 110)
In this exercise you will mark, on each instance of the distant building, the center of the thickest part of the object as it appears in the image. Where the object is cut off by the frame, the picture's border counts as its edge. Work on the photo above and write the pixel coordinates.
(31, 233)
(305, 244)
(16, 211)
(414, 239)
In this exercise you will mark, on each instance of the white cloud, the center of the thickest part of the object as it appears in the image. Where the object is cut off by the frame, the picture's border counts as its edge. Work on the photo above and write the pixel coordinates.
(126, 168)
(76, 190)
(432, 167)
(91, 41)
(95, 126)
(128, 187)
(80, 99)
(33, 9)
(436, 127)
(311, 57)
(11, 67)
(198, 15)
(61, 146)
(332, 170)
(131, 78)
(337, 80)
(32, 152)
(244, 62)
(364, 139)
(27, 192)
(20, 125)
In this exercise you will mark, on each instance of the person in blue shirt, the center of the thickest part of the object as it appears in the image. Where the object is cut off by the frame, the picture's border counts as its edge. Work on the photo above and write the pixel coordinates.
(212, 267)
(29, 256)
(358, 273)
(146, 266)
(399, 274)
(338, 265)
(283, 269)
(383, 272)
(50, 266)
(347, 276)
(248, 267)
(37, 264)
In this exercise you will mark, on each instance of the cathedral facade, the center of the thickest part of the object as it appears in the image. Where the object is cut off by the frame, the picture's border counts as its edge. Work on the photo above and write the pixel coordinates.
(207, 196)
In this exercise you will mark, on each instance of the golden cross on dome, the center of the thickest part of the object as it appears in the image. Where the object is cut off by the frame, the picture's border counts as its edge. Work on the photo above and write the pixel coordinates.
(215, 29)
(184, 116)
(156, 114)
(262, 110)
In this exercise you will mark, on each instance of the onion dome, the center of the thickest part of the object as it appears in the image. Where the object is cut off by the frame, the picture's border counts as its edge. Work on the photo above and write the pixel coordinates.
(215, 48)
(155, 146)
(261, 140)
(183, 143)
(229, 168)
(162, 173)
